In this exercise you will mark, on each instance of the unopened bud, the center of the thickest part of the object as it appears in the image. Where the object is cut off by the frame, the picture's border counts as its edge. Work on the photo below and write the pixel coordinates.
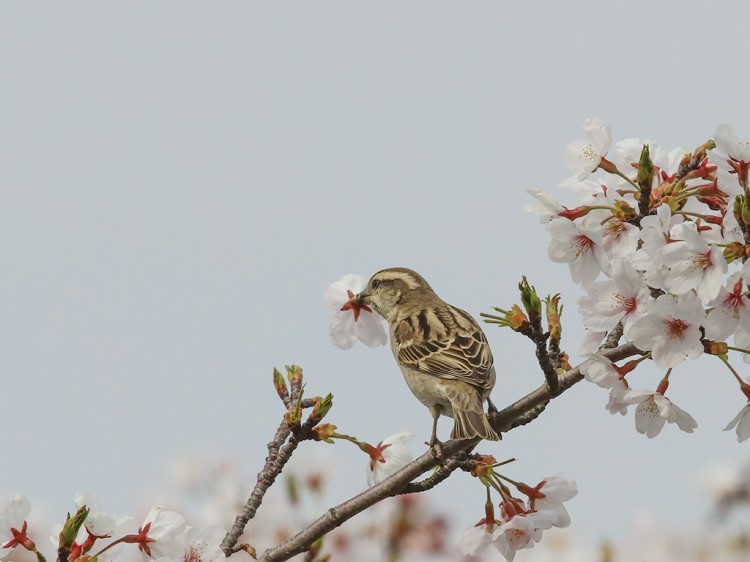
(645, 177)
(554, 312)
(739, 203)
(280, 384)
(72, 526)
(294, 374)
(249, 549)
(733, 251)
(700, 152)
(565, 362)
(321, 408)
(530, 301)
(293, 417)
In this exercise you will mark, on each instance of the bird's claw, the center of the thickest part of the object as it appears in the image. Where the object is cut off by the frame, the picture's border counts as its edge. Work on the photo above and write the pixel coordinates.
(437, 447)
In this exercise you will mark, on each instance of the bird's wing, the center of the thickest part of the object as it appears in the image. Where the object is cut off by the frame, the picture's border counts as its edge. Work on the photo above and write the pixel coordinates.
(446, 343)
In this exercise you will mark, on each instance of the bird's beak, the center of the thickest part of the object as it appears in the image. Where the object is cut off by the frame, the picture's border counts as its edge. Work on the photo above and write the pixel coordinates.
(362, 299)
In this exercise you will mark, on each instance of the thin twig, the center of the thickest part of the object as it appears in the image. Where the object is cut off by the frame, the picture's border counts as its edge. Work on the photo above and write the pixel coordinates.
(266, 478)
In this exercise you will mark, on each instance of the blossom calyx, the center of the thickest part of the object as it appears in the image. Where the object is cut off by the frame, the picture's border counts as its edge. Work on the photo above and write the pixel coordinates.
(576, 213)
(321, 408)
(623, 211)
(72, 526)
(483, 466)
(515, 319)
(718, 348)
(324, 432)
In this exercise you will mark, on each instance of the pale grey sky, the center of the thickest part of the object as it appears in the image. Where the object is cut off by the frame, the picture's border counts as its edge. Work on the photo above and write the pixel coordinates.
(179, 181)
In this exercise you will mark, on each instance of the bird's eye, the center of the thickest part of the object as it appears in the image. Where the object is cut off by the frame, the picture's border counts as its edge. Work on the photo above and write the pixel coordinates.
(376, 283)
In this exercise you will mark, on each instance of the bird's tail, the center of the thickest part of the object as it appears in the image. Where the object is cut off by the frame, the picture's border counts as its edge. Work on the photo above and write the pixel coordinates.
(471, 423)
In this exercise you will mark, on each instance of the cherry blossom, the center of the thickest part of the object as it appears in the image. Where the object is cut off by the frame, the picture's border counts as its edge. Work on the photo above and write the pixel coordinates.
(620, 238)
(742, 422)
(202, 545)
(159, 534)
(579, 244)
(693, 264)
(616, 403)
(620, 299)
(521, 531)
(731, 308)
(546, 209)
(98, 523)
(554, 490)
(600, 370)
(670, 329)
(655, 235)
(352, 323)
(584, 156)
(13, 525)
(476, 539)
(654, 410)
(388, 457)
(730, 149)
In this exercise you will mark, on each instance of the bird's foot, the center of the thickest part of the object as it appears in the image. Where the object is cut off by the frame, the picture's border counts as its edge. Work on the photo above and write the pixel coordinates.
(437, 448)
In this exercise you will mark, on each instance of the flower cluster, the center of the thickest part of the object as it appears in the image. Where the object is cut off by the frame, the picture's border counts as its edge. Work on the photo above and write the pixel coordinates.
(90, 534)
(659, 240)
(521, 523)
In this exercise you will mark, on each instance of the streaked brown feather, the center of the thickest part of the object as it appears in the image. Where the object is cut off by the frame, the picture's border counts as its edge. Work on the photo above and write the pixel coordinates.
(455, 349)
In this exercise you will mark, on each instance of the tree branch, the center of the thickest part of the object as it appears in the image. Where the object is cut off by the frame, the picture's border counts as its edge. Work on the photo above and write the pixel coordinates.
(504, 420)
(438, 476)
(335, 516)
(401, 482)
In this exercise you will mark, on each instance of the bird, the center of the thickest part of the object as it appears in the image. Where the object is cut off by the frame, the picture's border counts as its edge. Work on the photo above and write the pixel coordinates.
(441, 350)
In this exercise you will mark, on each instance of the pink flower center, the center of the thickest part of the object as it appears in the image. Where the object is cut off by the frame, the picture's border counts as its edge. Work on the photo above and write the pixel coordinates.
(735, 299)
(627, 304)
(676, 328)
(376, 454)
(616, 227)
(355, 306)
(704, 261)
(582, 244)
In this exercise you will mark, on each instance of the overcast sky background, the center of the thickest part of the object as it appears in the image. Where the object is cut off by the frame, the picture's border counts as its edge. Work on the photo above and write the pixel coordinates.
(180, 181)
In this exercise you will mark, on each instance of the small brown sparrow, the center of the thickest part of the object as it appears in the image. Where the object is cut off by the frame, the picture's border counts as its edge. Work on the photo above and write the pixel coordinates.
(441, 350)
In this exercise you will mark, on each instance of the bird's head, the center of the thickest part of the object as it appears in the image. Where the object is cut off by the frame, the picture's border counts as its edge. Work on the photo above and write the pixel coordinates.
(390, 288)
